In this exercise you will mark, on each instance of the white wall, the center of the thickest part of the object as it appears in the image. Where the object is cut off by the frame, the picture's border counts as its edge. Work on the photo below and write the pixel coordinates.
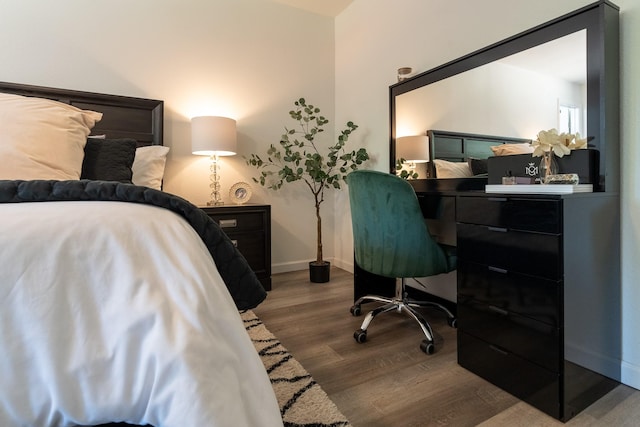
(523, 102)
(630, 134)
(245, 59)
(376, 37)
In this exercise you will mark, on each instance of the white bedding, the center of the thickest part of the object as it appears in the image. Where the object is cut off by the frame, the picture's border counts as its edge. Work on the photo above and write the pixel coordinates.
(113, 311)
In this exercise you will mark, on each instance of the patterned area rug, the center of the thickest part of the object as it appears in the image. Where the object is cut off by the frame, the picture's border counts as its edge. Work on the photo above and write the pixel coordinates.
(302, 401)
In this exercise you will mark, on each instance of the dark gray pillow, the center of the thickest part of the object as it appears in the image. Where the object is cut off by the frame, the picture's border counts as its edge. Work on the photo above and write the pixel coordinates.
(108, 159)
(478, 166)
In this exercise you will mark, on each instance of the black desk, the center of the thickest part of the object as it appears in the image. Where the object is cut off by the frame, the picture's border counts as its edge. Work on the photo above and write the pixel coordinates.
(538, 292)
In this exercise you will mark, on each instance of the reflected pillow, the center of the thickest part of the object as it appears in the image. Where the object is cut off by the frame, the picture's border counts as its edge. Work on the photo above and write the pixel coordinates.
(446, 169)
(109, 159)
(148, 166)
(41, 138)
(509, 149)
(478, 166)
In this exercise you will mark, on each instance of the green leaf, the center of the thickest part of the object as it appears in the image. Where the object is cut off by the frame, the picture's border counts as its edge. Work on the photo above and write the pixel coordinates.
(299, 157)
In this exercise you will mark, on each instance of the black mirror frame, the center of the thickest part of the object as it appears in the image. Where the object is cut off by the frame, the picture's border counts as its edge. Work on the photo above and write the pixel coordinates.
(601, 21)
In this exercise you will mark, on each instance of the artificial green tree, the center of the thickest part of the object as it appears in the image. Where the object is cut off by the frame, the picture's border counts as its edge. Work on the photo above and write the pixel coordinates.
(301, 158)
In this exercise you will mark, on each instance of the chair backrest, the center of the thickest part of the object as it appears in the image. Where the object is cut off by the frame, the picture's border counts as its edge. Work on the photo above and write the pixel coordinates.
(390, 237)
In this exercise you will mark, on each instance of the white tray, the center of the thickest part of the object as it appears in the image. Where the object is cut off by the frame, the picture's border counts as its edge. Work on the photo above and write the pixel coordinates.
(539, 188)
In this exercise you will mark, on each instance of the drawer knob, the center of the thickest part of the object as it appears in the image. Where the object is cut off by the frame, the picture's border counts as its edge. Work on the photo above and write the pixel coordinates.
(499, 350)
(498, 229)
(498, 310)
(235, 242)
(228, 223)
(497, 270)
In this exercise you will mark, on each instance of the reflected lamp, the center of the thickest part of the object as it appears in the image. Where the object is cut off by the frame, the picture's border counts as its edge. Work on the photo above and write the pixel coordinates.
(413, 149)
(214, 137)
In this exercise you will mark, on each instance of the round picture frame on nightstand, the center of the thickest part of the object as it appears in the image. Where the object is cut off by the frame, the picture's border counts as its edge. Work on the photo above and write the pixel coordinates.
(240, 193)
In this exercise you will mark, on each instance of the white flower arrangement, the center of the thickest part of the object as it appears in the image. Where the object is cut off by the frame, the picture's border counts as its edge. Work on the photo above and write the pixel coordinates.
(560, 144)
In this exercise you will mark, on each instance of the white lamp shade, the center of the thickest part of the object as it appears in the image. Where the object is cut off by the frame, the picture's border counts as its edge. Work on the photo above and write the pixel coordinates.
(414, 149)
(211, 135)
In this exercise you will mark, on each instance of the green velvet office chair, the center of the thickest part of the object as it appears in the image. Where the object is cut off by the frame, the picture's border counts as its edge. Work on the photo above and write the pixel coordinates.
(391, 239)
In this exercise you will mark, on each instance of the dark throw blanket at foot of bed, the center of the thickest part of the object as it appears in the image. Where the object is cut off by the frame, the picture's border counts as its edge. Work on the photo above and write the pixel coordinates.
(302, 401)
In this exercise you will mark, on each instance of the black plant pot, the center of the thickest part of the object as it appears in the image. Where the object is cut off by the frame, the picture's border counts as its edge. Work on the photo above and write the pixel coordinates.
(319, 273)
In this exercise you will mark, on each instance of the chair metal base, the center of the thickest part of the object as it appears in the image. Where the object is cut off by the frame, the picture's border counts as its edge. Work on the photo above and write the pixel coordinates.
(400, 303)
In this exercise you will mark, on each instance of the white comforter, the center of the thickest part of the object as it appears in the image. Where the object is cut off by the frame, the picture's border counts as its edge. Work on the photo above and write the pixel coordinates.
(113, 311)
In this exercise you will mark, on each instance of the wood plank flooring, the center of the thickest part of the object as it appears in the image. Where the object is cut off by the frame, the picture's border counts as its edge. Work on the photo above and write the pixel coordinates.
(388, 381)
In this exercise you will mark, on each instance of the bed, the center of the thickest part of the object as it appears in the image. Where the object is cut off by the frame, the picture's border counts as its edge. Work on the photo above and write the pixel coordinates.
(470, 149)
(119, 302)
(458, 161)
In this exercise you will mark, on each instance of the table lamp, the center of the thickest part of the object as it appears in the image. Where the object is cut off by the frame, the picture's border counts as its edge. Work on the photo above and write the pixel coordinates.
(213, 136)
(413, 149)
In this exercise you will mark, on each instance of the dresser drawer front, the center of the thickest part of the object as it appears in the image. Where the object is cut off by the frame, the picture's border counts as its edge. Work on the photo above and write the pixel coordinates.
(243, 221)
(525, 380)
(530, 339)
(526, 295)
(512, 213)
(536, 254)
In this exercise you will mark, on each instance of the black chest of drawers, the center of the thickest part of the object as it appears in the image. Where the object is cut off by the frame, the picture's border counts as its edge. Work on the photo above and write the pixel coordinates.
(539, 296)
(249, 228)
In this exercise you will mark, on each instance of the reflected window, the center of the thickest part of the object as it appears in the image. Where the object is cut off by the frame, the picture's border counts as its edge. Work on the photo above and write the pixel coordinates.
(569, 119)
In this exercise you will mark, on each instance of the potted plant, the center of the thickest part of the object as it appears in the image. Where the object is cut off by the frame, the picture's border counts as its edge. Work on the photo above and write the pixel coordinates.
(301, 158)
(403, 173)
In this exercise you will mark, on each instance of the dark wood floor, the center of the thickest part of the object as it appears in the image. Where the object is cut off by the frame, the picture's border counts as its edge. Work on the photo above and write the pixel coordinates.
(388, 381)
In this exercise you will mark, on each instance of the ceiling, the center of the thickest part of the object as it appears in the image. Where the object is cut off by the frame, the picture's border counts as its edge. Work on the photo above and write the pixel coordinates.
(322, 7)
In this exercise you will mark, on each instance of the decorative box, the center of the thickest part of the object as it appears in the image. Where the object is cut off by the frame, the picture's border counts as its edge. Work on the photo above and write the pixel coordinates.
(585, 163)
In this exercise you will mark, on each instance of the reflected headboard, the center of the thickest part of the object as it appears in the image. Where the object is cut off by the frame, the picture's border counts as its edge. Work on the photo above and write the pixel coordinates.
(458, 147)
(123, 116)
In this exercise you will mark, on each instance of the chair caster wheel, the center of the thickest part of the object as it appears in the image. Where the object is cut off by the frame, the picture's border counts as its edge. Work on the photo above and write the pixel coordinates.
(360, 336)
(356, 310)
(453, 322)
(427, 347)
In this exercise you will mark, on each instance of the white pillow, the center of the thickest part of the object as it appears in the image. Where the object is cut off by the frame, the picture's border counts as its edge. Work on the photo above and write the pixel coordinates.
(445, 169)
(509, 149)
(148, 166)
(41, 138)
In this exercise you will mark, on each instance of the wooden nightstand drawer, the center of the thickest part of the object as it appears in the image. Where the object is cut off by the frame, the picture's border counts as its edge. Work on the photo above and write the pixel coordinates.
(249, 227)
(240, 221)
(251, 247)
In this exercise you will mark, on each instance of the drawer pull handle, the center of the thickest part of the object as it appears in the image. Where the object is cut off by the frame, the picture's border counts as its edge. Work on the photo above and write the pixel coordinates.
(228, 223)
(499, 350)
(497, 270)
(498, 229)
(498, 310)
(497, 199)
(235, 242)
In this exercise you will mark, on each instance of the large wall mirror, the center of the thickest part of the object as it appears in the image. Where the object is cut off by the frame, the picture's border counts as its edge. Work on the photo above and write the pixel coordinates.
(562, 74)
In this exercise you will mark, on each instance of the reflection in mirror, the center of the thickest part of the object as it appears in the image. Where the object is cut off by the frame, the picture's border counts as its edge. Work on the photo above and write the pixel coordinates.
(540, 88)
(411, 150)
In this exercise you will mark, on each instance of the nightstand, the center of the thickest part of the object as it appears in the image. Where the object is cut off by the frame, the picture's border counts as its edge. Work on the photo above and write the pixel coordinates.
(249, 227)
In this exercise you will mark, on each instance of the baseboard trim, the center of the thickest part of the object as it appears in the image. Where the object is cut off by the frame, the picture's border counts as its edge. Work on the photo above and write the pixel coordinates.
(630, 375)
(286, 267)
